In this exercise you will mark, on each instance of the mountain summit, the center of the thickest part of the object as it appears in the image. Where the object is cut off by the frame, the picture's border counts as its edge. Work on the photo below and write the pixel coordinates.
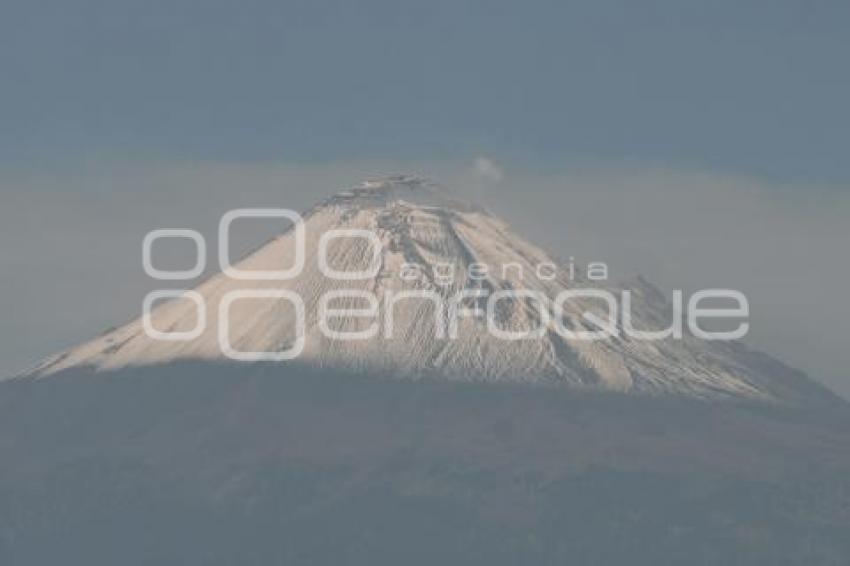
(432, 244)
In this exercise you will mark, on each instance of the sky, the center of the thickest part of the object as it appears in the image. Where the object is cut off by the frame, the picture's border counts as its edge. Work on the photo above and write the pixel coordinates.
(696, 143)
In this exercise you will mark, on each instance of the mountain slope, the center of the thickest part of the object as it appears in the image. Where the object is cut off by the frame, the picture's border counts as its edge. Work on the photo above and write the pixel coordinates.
(220, 464)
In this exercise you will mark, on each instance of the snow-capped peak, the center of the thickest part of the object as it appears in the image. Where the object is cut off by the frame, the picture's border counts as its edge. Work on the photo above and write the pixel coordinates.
(418, 223)
(409, 188)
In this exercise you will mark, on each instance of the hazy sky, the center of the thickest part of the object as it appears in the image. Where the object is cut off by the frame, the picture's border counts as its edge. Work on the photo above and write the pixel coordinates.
(698, 143)
(753, 87)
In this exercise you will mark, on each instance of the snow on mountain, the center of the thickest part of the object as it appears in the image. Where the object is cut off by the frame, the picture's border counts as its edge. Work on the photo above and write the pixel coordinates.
(420, 224)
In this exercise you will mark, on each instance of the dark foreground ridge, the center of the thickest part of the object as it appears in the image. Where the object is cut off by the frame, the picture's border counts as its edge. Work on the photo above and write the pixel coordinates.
(214, 464)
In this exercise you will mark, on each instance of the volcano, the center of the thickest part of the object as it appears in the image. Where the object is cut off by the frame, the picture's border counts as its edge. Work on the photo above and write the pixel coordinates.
(454, 248)
(408, 447)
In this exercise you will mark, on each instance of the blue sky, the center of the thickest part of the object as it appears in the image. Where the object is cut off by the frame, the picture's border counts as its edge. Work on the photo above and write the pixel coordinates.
(758, 88)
